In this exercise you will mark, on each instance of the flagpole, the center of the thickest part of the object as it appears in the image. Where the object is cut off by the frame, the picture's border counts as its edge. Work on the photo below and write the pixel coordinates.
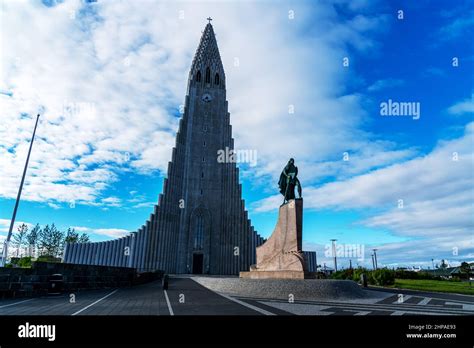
(12, 222)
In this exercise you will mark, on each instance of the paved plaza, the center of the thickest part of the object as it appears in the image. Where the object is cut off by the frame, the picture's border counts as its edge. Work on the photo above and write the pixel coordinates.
(187, 297)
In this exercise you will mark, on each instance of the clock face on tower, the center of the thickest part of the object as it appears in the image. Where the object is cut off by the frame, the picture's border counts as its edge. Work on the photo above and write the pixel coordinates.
(206, 98)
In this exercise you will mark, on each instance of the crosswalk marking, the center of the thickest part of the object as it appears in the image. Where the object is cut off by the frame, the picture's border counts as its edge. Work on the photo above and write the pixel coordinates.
(412, 305)
(424, 301)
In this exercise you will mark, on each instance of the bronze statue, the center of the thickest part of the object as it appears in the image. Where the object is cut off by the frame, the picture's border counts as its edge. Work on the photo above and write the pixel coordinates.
(288, 181)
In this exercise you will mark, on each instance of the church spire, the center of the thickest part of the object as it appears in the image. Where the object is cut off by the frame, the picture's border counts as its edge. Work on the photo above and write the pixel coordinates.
(207, 69)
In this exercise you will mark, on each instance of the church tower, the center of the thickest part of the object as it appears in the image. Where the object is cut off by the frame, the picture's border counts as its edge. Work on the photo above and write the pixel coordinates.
(200, 224)
(215, 234)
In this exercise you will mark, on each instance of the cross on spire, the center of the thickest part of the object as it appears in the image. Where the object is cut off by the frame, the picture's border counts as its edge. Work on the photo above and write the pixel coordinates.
(209, 19)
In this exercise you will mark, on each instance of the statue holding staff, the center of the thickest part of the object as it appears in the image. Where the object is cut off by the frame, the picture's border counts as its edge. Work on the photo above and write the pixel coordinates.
(288, 181)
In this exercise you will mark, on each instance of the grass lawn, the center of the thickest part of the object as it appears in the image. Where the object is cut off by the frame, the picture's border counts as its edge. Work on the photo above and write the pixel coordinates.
(435, 285)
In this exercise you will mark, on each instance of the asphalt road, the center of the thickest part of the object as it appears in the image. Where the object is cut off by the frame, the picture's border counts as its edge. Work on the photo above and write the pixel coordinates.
(186, 297)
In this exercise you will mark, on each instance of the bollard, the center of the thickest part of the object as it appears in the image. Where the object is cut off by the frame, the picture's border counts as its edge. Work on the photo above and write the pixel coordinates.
(363, 280)
(164, 282)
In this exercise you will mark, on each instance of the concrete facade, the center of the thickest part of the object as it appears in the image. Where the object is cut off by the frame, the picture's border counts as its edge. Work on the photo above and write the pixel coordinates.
(310, 260)
(200, 224)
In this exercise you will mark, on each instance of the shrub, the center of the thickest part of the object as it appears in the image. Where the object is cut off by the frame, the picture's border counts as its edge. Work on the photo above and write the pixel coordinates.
(24, 262)
(48, 258)
(382, 277)
(357, 273)
(14, 261)
(402, 274)
(344, 274)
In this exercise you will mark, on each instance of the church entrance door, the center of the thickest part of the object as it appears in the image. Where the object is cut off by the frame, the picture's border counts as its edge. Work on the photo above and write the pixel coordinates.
(197, 263)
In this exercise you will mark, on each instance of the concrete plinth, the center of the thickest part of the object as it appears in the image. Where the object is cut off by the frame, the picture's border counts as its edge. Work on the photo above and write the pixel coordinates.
(273, 275)
(302, 289)
(281, 256)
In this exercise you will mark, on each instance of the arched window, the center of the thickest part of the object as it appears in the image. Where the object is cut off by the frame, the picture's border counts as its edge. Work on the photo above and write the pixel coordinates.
(198, 232)
(198, 76)
(208, 75)
(216, 79)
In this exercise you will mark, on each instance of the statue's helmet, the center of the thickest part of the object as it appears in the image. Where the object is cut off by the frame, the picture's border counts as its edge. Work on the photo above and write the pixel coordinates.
(291, 161)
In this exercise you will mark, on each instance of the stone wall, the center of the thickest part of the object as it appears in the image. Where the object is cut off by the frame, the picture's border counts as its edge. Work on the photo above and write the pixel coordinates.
(36, 281)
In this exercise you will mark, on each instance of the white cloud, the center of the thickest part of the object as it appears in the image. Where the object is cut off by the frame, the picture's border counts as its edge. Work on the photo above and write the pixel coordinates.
(437, 194)
(463, 107)
(112, 201)
(144, 205)
(5, 225)
(460, 24)
(385, 83)
(111, 233)
(81, 229)
(110, 75)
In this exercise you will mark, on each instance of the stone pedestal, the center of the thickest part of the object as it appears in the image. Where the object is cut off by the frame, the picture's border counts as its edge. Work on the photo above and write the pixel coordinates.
(281, 255)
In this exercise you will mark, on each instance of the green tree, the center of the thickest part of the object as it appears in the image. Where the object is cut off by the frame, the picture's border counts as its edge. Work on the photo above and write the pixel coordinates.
(19, 238)
(51, 241)
(84, 238)
(71, 236)
(465, 269)
(32, 239)
(44, 241)
(443, 265)
(57, 241)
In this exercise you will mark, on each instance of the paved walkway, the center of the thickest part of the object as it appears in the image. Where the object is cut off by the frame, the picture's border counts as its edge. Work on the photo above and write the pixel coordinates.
(186, 297)
(400, 302)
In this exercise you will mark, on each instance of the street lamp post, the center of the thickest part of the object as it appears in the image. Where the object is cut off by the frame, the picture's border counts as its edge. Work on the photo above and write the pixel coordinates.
(432, 263)
(12, 222)
(375, 258)
(334, 253)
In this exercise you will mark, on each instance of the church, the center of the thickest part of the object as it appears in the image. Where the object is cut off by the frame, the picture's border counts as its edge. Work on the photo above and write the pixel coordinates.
(200, 224)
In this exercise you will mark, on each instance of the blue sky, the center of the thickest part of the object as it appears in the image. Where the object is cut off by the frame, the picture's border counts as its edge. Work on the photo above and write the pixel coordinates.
(110, 78)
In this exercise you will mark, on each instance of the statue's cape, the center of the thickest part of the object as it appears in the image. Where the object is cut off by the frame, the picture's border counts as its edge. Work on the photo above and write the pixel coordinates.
(282, 183)
(289, 169)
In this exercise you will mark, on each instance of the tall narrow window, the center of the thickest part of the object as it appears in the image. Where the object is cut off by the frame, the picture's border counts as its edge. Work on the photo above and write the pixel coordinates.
(198, 76)
(216, 79)
(198, 232)
(208, 75)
